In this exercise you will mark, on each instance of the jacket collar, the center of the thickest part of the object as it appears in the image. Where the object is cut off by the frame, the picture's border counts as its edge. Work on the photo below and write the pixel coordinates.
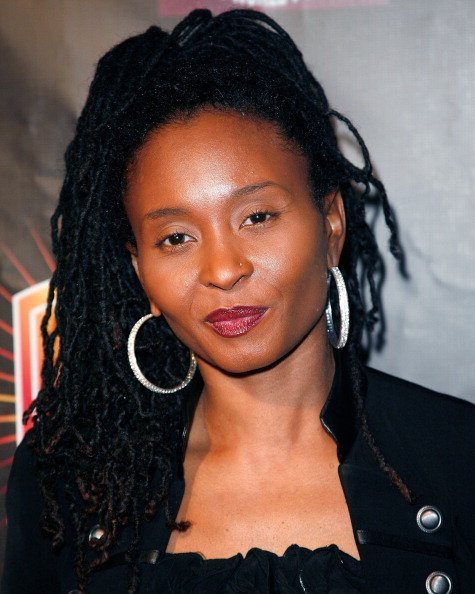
(338, 414)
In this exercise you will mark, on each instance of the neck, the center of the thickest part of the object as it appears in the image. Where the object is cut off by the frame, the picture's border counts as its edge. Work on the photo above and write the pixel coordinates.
(271, 412)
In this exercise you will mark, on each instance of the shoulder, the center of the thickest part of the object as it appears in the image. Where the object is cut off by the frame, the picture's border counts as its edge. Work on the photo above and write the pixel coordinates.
(23, 490)
(430, 439)
(406, 398)
(30, 565)
(438, 428)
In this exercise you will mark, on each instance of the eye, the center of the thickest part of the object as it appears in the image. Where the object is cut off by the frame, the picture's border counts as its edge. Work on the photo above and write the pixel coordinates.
(174, 240)
(258, 217)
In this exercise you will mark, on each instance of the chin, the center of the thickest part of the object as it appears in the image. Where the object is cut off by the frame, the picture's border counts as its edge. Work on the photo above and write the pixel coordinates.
(246, 364)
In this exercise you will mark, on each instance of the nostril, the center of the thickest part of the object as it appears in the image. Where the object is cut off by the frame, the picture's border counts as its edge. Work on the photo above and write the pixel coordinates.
(223, 269)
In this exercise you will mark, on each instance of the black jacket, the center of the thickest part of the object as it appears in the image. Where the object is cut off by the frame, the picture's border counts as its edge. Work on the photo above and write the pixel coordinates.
(428, 437)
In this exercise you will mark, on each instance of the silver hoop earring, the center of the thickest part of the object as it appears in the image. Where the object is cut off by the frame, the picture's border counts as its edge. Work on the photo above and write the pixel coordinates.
(136, 369)
(338, 342)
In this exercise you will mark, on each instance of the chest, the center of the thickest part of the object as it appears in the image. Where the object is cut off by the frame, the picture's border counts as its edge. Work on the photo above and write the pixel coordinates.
(232, 512)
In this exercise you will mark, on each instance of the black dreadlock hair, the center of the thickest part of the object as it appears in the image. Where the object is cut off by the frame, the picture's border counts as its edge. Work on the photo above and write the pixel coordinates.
(99, 436)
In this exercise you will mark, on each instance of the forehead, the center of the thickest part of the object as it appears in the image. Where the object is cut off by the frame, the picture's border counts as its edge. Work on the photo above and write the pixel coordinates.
(213, 127)
(210, 153)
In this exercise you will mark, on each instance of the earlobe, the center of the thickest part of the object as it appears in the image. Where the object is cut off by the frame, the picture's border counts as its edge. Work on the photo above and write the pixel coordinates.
(154, 310)
(335, 225)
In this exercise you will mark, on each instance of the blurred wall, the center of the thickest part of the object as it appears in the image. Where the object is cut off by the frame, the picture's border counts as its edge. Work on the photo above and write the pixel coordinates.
(402, 70)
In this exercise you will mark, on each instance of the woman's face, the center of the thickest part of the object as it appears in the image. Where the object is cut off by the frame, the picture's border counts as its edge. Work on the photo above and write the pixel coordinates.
(231, 250)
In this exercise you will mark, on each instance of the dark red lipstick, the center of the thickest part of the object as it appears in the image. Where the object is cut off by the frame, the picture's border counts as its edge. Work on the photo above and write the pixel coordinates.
(235, 321)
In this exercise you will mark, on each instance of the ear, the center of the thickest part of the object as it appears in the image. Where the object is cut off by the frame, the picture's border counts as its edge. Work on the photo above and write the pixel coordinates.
(134, 254)
(132, 249)
(335, 225)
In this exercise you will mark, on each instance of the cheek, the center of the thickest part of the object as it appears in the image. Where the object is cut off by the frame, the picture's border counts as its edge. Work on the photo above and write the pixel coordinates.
(304, 280)
(301, 262)
(165, 284)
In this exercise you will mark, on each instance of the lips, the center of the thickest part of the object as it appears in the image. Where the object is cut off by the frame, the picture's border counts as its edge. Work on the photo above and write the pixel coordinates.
(235, 321)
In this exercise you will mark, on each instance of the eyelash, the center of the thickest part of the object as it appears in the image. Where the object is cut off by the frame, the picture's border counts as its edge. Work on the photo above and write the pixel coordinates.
(161, 242)
(271, 215)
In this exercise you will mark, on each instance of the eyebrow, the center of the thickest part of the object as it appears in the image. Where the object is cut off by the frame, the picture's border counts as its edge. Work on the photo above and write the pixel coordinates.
(246, 190)
(164, 212)
(159, 213)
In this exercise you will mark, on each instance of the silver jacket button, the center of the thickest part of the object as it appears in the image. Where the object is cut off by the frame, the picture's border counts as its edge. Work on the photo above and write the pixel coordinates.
(97, 535)
(429, 518)
(438, 583)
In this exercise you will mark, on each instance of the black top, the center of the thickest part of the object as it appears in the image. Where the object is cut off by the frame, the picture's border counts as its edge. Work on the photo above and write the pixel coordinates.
(326, 570)
(429, 438)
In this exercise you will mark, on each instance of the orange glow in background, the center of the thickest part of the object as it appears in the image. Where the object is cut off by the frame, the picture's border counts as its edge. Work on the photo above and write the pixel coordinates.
(28, 309)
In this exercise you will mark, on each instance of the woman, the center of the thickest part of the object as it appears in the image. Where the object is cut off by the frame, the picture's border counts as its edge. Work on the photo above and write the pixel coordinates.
(206, 423)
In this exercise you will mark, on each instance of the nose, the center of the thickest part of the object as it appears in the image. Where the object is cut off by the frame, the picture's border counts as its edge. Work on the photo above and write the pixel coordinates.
(224, 265)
